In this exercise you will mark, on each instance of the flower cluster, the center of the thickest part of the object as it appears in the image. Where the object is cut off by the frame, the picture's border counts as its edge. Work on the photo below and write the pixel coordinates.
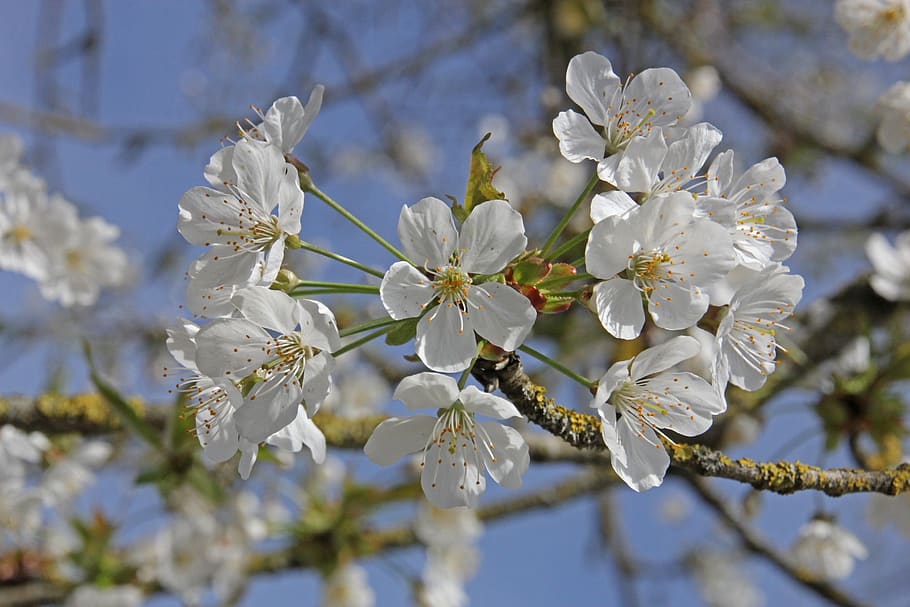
(680, 240)
(43, 237)
(259, 369)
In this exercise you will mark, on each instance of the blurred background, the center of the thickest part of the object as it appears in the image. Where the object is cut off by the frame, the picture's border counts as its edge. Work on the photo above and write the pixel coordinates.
(119, 106)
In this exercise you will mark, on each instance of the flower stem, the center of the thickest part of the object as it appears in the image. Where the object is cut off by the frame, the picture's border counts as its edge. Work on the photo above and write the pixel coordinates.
(307, 184)
(568, 216)
(331, 287)
(570, 244)
(578, 262)
(584, 381)
(366, 326)
(467, 372)
(558, 279)
(359, 342)
(301, 244)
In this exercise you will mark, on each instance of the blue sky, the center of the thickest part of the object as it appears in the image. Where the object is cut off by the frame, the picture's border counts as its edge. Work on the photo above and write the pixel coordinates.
(152, 57)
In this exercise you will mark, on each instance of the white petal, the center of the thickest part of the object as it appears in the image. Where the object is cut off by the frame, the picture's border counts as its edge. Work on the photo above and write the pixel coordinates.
(404, 291)
(260, 172)
(267, 308)
(500, 314)
(217, 434)
(610, 243)
(290, 201)
(445, 339)
(220, 168)
(427, 391)
(676, 307)
(590, 82)
(302, 431)
(639, 163)
(482, 403)
(270, 406)
(427, 232)
(249, 453)
(687, 155)
(492, 236)
(646, 461)
(689, 403)
(449, 480)
(663, 356)
(318, 328)
(508, 459)
(181, 342)
(207, 216)
(660, 90)
(619, 307)
(230, 346)
(616, 375)
(578, 140)
(317, 381)
(396, 437)
(611, 203)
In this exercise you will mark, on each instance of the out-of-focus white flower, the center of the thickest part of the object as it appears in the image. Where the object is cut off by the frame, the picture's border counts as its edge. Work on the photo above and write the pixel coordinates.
(72, 474)
(348, 586)
(17, 449)
(15, 178)
(876, 28)
(30, 227)
(721, 580)
(446, 571)
(894, 130)
(636, 400)
(456, 448)
(891, 278)
(111, 596)
(444, 527)
(826, 550)
(359, 388)
(704, 84)
(491, 236)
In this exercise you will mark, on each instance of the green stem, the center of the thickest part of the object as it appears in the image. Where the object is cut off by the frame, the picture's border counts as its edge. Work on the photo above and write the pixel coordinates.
(581, 276)
(340, 258)
(584, 381)
(307, 184)
(570, 244)
(565, 293)
(568, 216)
(467, 372)
(578, 262)
(359, 342)
(309, 292)
(340, 287)
(366, 326)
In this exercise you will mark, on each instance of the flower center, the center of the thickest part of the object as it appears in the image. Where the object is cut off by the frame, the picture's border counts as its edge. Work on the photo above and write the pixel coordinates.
(457, 440)
(19, 234)
(451, 284)
(647, 269)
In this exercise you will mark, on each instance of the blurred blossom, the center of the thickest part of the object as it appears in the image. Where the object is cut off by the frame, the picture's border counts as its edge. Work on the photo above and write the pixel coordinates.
(876, 28)
(827, 551)
(704, 84)
(445, 527)
(110, 596)
(721, 580)
(894, 130)
(675, 508)
(891, 276)
(73, 473)
(444, 576)
(348, 586)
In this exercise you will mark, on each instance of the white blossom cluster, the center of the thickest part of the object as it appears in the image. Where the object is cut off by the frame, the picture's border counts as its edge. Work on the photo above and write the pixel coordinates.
(43, 237)
(679, 240)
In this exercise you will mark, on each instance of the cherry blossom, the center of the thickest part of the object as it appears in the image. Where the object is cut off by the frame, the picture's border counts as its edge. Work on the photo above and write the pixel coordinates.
(455, 446)
(635, 401)
(876, 28)
(893, 132)
(826, 550)
(891, 279)
(491, 236)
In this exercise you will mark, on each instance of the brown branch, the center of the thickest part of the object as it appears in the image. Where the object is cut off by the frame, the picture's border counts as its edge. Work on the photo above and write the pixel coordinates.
(756, 544)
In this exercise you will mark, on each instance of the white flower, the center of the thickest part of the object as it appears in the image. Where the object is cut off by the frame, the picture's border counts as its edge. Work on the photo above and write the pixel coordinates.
(73, 473)
(876, 28)
(445, 527)
(444, 576)
(763, 231)
(894, 130)
(826, 550)
(492, 235)
(455, 446)
(247, 241)
(746, 338)
(111, 596)
(891, 278)
(659, 251)
(348, 586)
(279, 352)
(16, 449)
(29, 226)
(81, 261)
(616, 114)
(635, 404)
(14, 178)
(722, 581)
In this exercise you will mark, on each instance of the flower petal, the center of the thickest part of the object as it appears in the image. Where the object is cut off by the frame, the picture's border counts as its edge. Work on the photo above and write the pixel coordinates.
(638, 166)
(427, 232)
(675, 307)
(207, 216)
(591, 82)
(663, 356)
(610, 243)
(302, 431)
(249, 453)
(611, 203)
(619, 307)
(500, 314)
(645, 462)
(508, 457)
(491, 237)
(449, 479)
(486, 404)
(404, 291)
(396, 437)
(445, 339)
(578, 140)
(181, 342)
(318, 328)
(275, 310)
(260, 172)
(690, 402)
(290, 200)
(427, 391)
(270, 406)
(317, 381)
(230, 346)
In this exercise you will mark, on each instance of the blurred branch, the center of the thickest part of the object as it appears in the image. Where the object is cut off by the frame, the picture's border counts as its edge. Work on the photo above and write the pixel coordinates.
(756, 544)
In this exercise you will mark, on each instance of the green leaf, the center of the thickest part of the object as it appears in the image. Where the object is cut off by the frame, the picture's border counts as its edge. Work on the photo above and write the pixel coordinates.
(480, 179)
(403, 332)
